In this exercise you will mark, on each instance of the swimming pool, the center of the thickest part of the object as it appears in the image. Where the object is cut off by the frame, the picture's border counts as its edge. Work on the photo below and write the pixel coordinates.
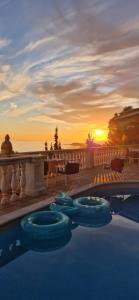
(93, 263)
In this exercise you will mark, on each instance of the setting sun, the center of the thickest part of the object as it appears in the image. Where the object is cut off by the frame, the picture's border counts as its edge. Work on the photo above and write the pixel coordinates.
(100, 135)
(99, 132)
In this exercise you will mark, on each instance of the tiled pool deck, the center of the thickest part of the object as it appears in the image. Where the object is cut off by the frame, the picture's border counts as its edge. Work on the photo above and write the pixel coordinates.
(88, 178)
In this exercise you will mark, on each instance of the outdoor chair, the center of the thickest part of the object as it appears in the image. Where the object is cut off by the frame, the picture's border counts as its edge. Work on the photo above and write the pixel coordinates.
(71, 168)
(46, 171)
(117, 165)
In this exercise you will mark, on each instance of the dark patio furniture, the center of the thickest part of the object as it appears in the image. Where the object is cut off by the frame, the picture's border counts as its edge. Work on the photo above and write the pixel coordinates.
(70, 169)
(117, 165)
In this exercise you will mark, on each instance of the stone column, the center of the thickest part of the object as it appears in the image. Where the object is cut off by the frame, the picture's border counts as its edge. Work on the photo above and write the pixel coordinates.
(4, 185)
(35, 184)
(22, 180)
(89, 158)
(14, 196)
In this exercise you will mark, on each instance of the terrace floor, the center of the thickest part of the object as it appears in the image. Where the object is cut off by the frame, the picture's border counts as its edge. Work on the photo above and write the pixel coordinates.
(88, 177)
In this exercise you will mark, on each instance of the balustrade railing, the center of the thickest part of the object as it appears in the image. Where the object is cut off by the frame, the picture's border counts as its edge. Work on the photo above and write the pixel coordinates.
(22, 175)
(95, 156)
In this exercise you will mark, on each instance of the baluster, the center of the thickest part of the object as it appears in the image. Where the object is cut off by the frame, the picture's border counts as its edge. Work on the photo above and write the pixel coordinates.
(22, 181)
(14, 196)
(94, 157)
(4, 185)
(18, 177)
(83, 160)
(97, 156)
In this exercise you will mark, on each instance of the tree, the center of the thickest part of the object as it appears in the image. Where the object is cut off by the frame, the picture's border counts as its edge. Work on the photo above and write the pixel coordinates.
(56, 144)
(124, 131)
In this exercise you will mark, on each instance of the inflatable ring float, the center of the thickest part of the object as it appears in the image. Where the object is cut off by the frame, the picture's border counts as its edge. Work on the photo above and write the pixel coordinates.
(93, 211)
(46, 225)
(93, 206)
(64, 199)
(65, 209)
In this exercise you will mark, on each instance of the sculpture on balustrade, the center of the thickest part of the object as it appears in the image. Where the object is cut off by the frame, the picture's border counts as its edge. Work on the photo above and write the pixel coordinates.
(89, 141)
(6, 146)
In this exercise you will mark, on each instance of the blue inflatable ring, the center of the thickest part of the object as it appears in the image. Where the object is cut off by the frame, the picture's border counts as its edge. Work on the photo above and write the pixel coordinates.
(46, 225)
(94, 206)
(65, 209)
(64, 199)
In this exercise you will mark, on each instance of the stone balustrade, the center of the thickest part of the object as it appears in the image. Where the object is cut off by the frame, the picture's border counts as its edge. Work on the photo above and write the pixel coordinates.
(104, 155)
(91, 157)
(22, 175)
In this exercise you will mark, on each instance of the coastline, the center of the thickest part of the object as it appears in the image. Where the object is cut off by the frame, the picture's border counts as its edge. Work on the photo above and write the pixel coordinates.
(28, 146)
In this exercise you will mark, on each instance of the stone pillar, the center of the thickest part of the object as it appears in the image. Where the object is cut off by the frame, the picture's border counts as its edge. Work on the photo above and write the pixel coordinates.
(22, 180)
(4, 186)
(89, 158)
(14, 196)
(35, 184)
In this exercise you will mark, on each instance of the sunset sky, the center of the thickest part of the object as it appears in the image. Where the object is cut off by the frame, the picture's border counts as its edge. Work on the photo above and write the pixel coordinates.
(70, 63)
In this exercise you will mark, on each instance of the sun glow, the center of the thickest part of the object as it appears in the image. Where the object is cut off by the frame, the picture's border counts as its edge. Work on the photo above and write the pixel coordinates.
(100, 135)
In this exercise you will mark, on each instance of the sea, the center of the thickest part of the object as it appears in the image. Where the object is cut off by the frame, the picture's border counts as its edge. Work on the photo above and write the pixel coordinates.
(31, 146)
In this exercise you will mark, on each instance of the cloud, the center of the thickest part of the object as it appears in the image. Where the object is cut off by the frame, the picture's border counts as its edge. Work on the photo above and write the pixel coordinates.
(43, 88)
(24, 109)
(80, 103)
(4, 42)
(12, 84)
(18, 83)
(79, 68)
(31, 46)
(13, 106)
(15, 110)
(41, 118)
(104, 36)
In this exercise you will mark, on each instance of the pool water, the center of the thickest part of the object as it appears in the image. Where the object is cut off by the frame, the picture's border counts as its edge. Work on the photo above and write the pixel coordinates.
(94, 263)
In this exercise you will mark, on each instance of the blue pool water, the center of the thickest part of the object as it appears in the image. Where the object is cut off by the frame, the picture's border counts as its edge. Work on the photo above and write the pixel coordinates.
(96, 263)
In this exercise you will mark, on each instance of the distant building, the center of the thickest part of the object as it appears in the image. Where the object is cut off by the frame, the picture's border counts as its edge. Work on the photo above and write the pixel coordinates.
(124, 127)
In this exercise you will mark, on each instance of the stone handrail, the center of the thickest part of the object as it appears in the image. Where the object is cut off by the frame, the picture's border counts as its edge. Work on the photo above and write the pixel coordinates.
(21, 176)
(88, 157)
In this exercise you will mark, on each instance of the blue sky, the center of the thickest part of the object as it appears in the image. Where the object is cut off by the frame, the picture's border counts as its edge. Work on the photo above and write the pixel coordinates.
(68, 63)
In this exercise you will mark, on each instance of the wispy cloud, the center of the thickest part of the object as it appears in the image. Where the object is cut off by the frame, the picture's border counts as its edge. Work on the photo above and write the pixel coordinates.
(4, 42)
(76, 62)
(12, 84)
(31, 46)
